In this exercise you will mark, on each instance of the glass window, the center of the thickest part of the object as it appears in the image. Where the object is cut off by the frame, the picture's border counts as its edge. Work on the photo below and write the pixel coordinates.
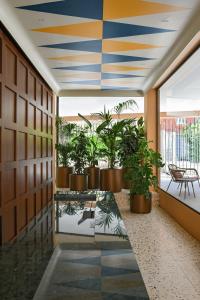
(180, 133)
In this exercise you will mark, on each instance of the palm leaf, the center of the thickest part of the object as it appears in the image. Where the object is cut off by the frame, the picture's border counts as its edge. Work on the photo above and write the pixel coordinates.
(86, 120)
(124, 105)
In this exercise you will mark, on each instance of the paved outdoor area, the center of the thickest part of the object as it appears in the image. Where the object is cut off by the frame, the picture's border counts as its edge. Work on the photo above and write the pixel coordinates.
(188, 197)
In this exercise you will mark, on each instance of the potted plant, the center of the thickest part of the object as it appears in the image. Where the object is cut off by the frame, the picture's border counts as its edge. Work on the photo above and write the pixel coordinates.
(93, 154)
(111, 177)
(110, 132)
(93, 170)
(132, 132)
(79, 179)
(65, 132)
(141, 176)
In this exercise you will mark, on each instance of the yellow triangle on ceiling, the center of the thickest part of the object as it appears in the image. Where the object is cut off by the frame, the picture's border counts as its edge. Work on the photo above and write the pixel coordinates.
(85, 58)
(113, 68)
(116, 9)
(89, 29)
(114, 46)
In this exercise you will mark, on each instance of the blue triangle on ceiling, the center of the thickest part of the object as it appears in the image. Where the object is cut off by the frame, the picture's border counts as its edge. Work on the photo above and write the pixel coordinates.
(90, 46)
(115, 30)
(115, 58)
(88, 68)
(86, 82)
(113, 76)
(92, 9)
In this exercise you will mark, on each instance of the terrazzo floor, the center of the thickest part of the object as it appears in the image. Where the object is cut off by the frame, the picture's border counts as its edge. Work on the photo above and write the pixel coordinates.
(168, 257)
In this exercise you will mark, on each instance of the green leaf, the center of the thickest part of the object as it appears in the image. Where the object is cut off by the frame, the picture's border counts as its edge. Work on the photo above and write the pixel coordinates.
(85, 120)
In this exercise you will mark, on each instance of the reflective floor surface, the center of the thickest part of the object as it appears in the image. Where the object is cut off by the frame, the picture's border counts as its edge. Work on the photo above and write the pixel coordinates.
(86, 256)
(23, 263)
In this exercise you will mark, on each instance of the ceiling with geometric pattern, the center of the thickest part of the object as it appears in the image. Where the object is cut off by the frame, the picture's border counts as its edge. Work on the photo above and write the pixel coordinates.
(103, 44)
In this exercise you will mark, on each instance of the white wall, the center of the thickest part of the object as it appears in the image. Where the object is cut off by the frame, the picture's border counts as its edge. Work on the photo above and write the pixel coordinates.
(87, 105)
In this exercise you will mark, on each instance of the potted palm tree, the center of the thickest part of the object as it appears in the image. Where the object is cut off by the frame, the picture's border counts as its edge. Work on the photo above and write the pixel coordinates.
(111, 177)
(93, 170)
(79, 179)
(140, 174)
(65, 132)
(110, 132)
(93, 152)
(132, 132)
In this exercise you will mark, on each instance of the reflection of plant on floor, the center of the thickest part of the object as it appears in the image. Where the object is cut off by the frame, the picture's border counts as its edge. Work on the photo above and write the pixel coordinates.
(70, 208)
(108, 214)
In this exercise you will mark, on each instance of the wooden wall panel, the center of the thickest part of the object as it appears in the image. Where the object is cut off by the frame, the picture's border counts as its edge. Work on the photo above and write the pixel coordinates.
(11, 65)
(9, 185)
(22, 112)
(22, 146)
(22, 217)
(9, 108)
(26, 133)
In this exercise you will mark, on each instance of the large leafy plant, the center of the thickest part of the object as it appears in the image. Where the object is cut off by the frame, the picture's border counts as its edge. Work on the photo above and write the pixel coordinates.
(80, 153)
(111, 137)
(111, 132)
(66, 132)
(94, 145)
(95, 149)
(132, 132)
(141, 169)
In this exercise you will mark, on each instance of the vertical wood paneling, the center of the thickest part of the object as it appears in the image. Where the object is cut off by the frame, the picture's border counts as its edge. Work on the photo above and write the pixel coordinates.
(26, 120)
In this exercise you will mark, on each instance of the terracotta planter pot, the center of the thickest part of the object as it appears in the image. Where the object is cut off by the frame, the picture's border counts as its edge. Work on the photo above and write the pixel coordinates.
(78, 182)
(111, 180)
(140, 204)
(93, 177)
(62, 176)
(125, 182)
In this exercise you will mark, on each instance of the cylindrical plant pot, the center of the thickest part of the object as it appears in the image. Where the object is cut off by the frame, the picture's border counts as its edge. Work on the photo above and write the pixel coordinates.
(140, 204)
(78, 182)
(62, 176)
(111, 180)
(93, 177)
(125, 182)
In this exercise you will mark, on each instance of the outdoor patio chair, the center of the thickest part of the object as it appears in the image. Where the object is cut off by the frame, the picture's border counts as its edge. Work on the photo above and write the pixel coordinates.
(183, 176)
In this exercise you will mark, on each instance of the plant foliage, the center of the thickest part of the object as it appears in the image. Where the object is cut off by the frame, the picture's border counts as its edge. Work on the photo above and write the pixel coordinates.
(140, 169)
(192, 133)
(66, 132)
(79, 153)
